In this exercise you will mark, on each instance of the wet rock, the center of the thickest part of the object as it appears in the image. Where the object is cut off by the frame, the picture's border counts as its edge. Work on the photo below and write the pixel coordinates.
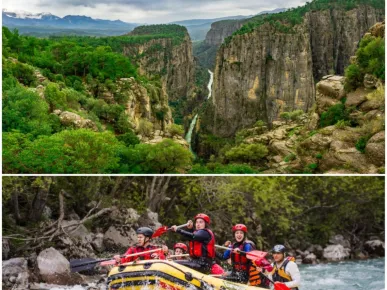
(334, 253)
(310, 259)
(15, 272)
(375, 248)
(5, 248)
(375, 149)
(317, 250)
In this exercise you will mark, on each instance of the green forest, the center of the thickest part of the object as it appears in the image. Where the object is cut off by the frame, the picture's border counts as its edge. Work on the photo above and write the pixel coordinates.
(298, 211)
(77, 72)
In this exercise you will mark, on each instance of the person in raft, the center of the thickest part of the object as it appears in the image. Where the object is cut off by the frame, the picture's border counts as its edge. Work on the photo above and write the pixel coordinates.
(144, 236)
(201, 243)
(180, 249)
(285, 270)
(240, 264)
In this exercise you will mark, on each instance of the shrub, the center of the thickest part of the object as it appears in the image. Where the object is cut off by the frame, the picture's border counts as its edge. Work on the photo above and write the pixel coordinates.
(176, 130)
(334, 114)
(290, 157)
(129, 138)
(123, 124)
(361, 143)
(342, 124)
(247, 152)
(145, 127)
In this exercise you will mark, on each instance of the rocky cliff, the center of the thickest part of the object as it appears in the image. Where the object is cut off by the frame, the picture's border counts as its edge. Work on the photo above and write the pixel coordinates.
(172, 61)
(335, 34)
(265, 72)
(222, 29)
(260, 75)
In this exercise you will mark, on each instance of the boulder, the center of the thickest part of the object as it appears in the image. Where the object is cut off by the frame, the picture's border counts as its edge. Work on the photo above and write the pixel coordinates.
(317, 142)
(375, 248)
(317, 250)
(71, 119)
(55, 268)
(97, 243)
(339, 240)
(375, 149)
(332, 86)
(150, 219)
(310, 259)
(369, 105)
(370, 81)
(5, 248)
(77, 231)
(334, 253)
(279, 147)
(119, 237)
(15, 273)
(356, 98)
(313, 122)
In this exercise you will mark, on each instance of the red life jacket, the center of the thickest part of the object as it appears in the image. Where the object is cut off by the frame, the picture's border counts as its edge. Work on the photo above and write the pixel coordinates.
(139, 249)
(240, 262)
(200, 249)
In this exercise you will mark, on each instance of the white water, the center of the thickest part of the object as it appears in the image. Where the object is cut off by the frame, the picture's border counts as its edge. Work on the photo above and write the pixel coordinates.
(352, 275)
(188, 137)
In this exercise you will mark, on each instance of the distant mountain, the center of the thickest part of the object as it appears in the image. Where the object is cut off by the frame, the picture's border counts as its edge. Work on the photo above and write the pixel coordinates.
(48, 24)
(198, 28)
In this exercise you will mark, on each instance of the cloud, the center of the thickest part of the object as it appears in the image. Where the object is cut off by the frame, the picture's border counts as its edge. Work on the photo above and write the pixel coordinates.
(150, 11)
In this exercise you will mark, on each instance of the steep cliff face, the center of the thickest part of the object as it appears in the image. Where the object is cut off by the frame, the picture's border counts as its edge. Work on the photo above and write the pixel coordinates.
(265, 72)
(260, 75)
(222, 29)
(206, 51)
(173, 62)
(335, 34)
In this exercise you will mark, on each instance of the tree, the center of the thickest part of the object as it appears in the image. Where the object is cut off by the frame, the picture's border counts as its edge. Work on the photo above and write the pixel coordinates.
(164, 157)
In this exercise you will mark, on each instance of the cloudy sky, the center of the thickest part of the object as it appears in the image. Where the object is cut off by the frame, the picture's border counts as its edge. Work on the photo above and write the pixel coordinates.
(149, 11)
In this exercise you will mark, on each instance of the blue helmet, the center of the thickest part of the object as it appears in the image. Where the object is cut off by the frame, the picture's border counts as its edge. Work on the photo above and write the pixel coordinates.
(279, 249)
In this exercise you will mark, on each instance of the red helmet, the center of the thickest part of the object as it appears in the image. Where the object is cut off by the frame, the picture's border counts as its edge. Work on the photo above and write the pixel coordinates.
(203, 216)
(239, 227)
(181, 246)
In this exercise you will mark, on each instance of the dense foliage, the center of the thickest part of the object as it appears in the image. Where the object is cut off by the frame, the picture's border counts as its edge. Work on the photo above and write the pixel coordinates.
(89, 79)
(285, 21)
(370, 58)
(296, 211)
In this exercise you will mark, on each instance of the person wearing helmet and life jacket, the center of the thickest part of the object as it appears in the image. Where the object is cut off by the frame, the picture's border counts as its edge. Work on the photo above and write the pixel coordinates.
(180, 249)
(144, 236)
(285, 270)
(201, 243)
(243, 270)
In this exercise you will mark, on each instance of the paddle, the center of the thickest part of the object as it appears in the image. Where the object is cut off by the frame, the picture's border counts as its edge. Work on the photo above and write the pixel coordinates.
(177, 256)
(252, 255)
(164, 229)
(277, 286)
(86, 264)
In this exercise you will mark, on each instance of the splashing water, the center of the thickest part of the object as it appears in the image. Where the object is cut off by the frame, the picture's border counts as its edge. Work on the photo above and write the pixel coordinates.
(354, 275)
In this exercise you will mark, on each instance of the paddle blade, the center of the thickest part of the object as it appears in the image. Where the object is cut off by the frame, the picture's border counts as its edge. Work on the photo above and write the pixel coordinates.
(85, 264)
(160, 231)
(106, 263)
(253, 255)
(281, 286)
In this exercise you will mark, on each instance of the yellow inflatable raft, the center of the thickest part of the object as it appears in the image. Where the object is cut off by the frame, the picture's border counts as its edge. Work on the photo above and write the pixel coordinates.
(163, 274)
